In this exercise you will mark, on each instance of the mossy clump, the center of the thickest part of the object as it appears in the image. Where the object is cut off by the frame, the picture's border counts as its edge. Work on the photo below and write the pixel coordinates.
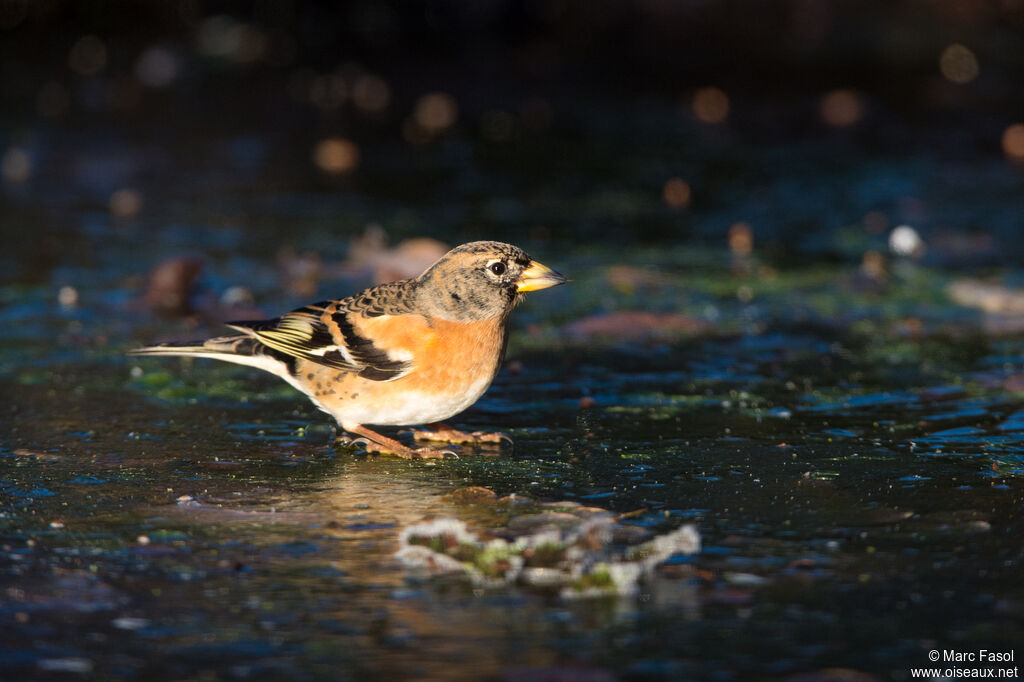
(546, 555)
(599, 578)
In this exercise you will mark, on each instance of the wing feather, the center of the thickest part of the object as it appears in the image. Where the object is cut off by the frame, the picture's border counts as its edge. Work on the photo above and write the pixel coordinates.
(325, 332)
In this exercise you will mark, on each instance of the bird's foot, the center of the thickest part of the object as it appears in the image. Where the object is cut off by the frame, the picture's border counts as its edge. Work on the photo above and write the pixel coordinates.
(442, 433)
(400, 450)
(375, 443)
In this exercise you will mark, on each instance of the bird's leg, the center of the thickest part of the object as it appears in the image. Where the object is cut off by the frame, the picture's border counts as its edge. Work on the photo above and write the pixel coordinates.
(442, 433)
(375, 442)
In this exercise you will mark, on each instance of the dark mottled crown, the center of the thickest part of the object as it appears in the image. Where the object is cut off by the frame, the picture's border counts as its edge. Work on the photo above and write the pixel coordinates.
(494, 249)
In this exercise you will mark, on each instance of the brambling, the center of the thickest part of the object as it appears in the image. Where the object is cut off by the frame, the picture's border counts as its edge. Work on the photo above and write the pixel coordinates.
(416, 351)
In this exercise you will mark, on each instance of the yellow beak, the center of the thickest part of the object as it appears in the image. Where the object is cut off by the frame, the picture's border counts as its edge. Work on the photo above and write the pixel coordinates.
(539, 276)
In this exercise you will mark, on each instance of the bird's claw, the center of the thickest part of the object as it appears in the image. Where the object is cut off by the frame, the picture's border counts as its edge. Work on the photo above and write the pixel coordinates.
(374, 448)
(494, 437)
(454, 436)
(431, 453)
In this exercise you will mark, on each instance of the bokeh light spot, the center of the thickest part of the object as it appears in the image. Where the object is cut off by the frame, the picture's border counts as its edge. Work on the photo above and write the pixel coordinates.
(841, 108)
(741, 238)
(710, 105)
(88, 56)
(1013, 142)
(435, 112)
(328, 91)
(253, 44)
(125, 203)
(67, 296)
(157, 67)
(905, 241)
(676, 193)
(222, 36)
(371, 94)
(872, 265)
(336, 155)
(958, 64)
(218, 36)
(16, 166)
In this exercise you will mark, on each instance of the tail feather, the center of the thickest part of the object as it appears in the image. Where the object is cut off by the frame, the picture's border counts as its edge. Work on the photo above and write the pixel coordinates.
(240, 350)
(229, 345)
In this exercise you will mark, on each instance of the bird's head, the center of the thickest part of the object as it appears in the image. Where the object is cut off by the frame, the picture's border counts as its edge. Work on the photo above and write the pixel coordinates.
(482, 280)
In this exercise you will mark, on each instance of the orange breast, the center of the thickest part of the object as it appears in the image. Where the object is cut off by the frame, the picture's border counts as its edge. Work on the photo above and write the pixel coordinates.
(453, 364)
(459, 354)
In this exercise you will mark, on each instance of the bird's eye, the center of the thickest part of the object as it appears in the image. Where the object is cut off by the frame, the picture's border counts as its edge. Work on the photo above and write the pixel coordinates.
(498, 268)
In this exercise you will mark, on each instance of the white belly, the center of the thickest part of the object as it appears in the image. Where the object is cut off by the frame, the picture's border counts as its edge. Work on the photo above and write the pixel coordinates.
(410, 407)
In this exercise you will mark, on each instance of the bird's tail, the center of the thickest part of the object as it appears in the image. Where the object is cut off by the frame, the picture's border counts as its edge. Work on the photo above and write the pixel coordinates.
(241, 350)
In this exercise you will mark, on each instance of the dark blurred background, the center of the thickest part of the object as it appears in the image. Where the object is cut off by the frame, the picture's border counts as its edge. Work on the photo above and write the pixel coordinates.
(811, 127)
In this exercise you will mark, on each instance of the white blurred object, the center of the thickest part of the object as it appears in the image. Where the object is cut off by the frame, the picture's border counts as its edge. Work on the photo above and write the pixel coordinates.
(67, 297)
(237, 296)
(905, 241)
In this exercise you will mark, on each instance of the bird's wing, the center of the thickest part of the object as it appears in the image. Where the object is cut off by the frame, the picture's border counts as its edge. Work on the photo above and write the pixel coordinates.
(331, 332)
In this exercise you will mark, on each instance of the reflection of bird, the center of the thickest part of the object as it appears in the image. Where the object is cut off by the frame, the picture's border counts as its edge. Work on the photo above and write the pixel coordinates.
(411, 352)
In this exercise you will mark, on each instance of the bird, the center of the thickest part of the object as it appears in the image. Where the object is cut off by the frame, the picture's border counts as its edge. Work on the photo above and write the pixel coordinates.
(413, 352)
